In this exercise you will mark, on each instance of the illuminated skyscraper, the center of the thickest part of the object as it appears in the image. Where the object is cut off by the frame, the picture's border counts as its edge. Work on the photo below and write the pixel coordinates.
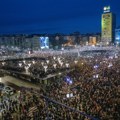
(108, 26)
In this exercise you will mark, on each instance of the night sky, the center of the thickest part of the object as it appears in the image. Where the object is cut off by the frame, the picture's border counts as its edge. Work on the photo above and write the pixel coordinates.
(53, 16)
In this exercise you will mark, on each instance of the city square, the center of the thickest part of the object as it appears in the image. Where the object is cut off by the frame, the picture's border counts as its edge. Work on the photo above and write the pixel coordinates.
(60, 60)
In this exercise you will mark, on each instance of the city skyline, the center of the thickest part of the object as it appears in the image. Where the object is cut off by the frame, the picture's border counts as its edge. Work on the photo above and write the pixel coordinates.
(52, 16)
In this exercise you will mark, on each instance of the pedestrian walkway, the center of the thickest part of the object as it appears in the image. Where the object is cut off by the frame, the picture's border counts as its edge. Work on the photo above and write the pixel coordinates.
(18, 82)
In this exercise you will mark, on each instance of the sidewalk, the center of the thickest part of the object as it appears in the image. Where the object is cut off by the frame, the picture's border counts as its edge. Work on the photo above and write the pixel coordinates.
(20, 83)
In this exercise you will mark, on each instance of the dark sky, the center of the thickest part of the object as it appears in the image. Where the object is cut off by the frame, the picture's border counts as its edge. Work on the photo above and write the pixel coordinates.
(53, 16)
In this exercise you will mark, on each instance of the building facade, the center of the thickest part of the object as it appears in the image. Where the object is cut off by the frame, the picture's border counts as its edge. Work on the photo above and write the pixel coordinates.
(108, 25)
(117, 36)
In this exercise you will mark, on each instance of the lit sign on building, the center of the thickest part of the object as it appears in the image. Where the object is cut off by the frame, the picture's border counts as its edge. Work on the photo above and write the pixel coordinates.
(106, 9)
(44, 42)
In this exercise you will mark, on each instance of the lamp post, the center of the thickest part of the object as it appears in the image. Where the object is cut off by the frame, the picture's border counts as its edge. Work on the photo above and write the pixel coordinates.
(3, 63)
(61, 63)
(54, 57)
(45, 68)
(54, 65)
(47, 61)
(26, 69)
(20, 64)
(67, 65)
(29, 64)
(58, 59)
(33, 62)
(75, 61)
(24, 61)
(42, 63)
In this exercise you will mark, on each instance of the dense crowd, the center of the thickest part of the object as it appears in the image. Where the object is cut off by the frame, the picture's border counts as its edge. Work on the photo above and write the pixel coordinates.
(95, 89)
(96, 96)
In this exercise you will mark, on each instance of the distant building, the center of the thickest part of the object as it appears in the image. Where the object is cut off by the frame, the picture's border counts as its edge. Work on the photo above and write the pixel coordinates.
(44, 42)
(117, 36)
(92, 40)
(48, 41)
(108, 26)
(20, 41)
(31, 42)
(56, 41)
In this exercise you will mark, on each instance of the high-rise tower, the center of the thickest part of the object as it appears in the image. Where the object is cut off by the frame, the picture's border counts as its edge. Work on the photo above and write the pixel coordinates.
(108, 26)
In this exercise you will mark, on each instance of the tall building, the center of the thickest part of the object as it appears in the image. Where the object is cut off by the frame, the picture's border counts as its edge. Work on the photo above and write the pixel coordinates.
(117, 36)
(108, 26)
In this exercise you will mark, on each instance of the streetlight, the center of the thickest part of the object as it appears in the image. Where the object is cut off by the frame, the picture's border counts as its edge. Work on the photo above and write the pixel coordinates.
(20, 64)
(3, 63)
(75, 61)
(24, 61)
(42, 63)
(26, 69)
(54, 65)
(47, 61)
(33, 62)
(45, 68)
(58, 59)
(29, 64)
(54, 57)
(67, 65)
(61, 63)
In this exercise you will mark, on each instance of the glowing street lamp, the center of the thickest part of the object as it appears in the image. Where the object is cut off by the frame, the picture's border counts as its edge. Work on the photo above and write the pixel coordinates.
(3, 63)
(58, 59)
(20, 64)
(42, 63)
(67, 65)
(45, 68)
(61, 63)
(54, 58)
(75, 61)
(26, 69)
(82, 63)
(24, 61)
(29, 64)
(47, 61)
(54, 65)
(33, 62)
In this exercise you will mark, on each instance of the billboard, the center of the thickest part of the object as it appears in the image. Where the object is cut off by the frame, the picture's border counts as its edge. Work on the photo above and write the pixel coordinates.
(106, 9)
(44, 42)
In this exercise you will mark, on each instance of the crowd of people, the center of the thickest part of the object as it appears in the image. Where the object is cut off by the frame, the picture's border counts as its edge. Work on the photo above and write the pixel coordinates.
(97, 96)
(90, 91)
